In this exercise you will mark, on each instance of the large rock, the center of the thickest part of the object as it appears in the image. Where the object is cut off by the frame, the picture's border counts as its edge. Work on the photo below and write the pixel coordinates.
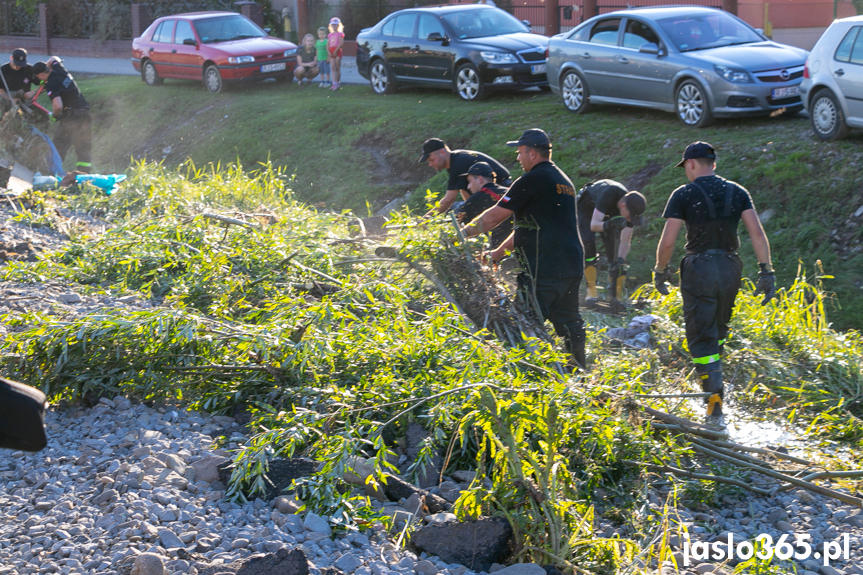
(522, 569)
(281, 473)
(282, 562)
(474, 544)
(148, 564)
(207, 468)
(416, 436)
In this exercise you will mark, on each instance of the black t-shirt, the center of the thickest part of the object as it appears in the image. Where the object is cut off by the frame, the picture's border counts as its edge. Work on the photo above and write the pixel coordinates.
(477, 203)
(61, 83)
(711, 207)
(19, 79)
(602, 195)
(461, 160)
(546, 225)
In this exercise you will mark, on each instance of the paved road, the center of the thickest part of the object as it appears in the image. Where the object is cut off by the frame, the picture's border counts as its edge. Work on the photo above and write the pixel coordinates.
(123, 66)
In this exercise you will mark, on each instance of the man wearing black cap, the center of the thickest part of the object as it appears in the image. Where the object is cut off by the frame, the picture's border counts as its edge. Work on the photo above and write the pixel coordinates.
(484, 193)
(438, 156)
(17, 76)
(70, 109)
(711, 208)
(607, 207)
(545, 238)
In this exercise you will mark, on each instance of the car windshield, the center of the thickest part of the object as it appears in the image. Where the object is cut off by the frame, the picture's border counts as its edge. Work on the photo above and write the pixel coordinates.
(227, 28)
(701, 32)
(479, 23)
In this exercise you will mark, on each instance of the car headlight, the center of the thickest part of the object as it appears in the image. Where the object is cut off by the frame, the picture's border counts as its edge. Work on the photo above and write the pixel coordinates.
(735, 75)
(290, 52)
(240, 59)
(499, 57)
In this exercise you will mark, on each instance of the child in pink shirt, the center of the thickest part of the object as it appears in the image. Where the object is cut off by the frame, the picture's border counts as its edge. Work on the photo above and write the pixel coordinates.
(335, 41)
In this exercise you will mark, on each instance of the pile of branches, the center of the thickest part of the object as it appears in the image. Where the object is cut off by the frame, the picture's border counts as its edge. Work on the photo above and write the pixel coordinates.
(18, 141)
(476, 291)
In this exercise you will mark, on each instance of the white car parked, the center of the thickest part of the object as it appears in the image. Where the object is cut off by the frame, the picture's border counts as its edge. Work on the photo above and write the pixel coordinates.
(832, 87)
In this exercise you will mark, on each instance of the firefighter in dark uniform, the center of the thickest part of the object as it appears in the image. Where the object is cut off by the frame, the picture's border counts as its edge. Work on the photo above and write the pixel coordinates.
(456, 162)
(545, 238)
(71, 111)
(484, 193)
(607, 207)
(17, 76)
(711, 208)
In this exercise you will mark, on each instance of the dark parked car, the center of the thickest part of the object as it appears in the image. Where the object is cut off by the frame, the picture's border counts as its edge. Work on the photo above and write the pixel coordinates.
(470, 48)
(698, 62)
(215, 47)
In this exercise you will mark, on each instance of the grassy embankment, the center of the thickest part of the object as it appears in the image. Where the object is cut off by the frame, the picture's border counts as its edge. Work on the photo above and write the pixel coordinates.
(355, 149)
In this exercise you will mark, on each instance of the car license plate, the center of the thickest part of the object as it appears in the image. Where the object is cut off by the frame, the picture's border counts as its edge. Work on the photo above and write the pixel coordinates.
(537, 69)
(275, 67)
(786, 92)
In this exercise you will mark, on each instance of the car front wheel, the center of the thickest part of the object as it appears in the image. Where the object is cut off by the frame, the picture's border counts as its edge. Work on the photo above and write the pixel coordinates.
(692, 106)
(149, 74)
(468, 86)
(828, 121)
(574, 92)
(212, 79)
(380, 78)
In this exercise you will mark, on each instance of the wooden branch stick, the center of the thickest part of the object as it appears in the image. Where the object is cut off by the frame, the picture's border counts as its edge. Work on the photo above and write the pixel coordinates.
(229, 221)
(694, 475)
(686, 425)
(831, 474)
(844, 497)
(729, 453)
(673, 395)
(763, 451)
(314, 271)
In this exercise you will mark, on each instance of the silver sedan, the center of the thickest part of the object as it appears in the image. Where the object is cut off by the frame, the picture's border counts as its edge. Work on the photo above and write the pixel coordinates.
(700, 63)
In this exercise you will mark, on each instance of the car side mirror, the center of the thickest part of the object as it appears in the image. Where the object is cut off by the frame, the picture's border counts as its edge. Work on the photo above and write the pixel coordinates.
(436, 37)
(268, 31)
(526, 23)
(189, 42)
(650, 48)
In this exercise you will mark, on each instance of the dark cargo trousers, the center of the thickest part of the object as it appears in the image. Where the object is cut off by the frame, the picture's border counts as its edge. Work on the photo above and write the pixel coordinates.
(558, 303)
(75, 130)
(709, 282)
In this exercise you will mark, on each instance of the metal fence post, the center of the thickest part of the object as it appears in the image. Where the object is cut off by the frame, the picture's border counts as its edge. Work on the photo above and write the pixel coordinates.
(44, 41)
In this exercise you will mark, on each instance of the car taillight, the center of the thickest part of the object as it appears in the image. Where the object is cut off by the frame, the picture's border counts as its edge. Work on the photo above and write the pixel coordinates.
(546, 53)
(806, 70)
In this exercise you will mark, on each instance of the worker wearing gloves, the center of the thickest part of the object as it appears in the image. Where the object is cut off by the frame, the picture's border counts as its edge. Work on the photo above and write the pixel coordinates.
(608, 208)
(711, 208)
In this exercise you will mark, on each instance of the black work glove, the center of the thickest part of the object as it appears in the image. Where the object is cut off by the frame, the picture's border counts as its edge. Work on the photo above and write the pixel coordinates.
(766, 283)
(661, 279)
(614, 225)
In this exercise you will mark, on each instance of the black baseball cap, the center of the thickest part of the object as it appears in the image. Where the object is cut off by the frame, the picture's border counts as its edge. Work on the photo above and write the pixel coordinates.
(636, 204)
(39, 68)
(697, 150)
(431, 145)
(480, 169)
(534, 138)
(19, 57)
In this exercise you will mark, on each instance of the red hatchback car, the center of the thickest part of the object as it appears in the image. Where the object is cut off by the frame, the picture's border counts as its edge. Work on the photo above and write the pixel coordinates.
(216, 47)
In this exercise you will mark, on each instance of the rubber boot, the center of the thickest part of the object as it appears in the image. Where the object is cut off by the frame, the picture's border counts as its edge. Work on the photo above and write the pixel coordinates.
(617, 288)
(711, 382)
(578, 354)
(590, 280)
